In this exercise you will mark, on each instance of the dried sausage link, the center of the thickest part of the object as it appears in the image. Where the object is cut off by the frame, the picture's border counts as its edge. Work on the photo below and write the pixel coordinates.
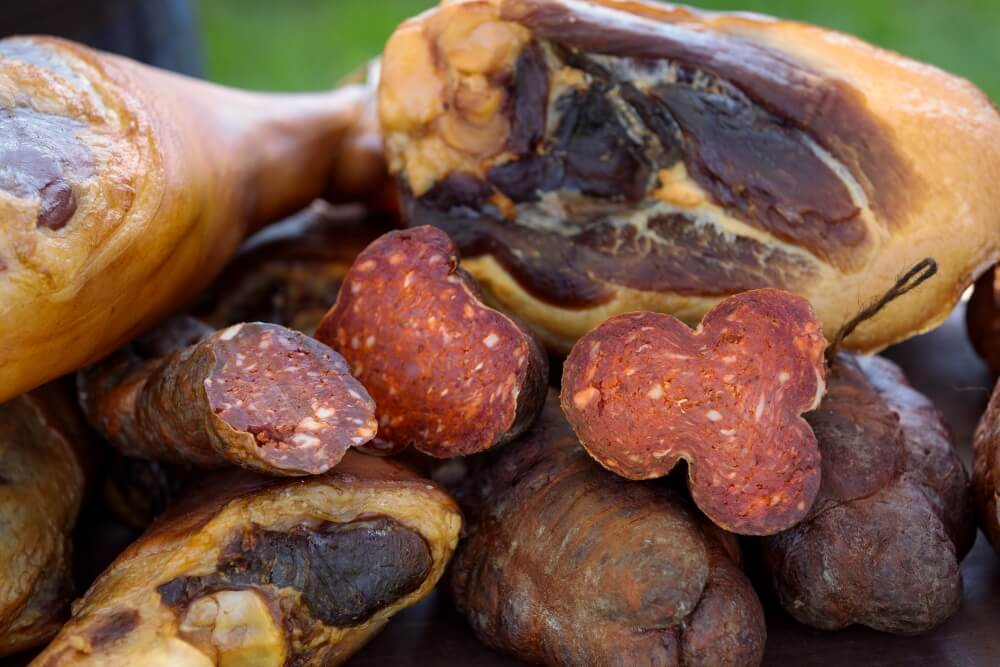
(256, 395)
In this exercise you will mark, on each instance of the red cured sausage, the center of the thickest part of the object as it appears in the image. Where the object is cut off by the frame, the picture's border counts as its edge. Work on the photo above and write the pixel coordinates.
(255, 395)
(644, 391)
(449, 375)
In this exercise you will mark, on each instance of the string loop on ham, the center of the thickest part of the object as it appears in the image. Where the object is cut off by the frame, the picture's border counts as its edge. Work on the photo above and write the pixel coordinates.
(921, 272)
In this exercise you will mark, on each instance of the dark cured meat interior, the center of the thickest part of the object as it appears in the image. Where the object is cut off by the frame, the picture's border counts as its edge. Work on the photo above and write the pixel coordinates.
(37, 162)
(706, 122)
(345, 572)
(759, 134)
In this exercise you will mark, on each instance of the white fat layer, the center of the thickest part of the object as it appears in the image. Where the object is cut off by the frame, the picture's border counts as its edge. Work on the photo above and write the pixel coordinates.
(231, 332)
(548, 214)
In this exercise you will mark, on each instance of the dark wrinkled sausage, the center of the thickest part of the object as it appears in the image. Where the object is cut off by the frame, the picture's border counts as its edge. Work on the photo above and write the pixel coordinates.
(567, 564)
(255, 395)
(893, 519)
(43, 444)
(986, 470)
(449, 375)
(643, 391)
(251, 570)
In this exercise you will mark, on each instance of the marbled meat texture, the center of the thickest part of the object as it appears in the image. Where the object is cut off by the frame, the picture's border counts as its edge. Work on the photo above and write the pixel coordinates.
(645, 150)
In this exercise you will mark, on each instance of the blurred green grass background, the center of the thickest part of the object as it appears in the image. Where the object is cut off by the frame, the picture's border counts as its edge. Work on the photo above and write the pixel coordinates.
(310, 44)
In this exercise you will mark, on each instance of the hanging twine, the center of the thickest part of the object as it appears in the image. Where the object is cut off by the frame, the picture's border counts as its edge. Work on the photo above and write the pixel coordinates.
(909, 281)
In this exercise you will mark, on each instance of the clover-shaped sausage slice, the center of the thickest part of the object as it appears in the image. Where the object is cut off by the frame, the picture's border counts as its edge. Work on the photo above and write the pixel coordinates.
(449, 375)
(643, 391)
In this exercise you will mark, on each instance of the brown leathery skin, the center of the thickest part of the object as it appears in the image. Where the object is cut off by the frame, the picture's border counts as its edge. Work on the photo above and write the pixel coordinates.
(643, 391)
(894, 515)
(748, 152)
(261, 526)
(255, 395)
(126, 189)
(982, 315)
(986, 470)
(567, 564)
(290, 273)
(450, 375)
(43, 440)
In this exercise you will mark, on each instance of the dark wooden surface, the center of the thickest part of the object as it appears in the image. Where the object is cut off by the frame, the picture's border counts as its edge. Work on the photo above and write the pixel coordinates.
(941, 364)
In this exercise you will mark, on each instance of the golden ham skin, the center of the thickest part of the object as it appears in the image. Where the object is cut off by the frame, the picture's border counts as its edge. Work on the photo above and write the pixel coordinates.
(592, 158)
(250, 570)
(125, 190)
(43, 442)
